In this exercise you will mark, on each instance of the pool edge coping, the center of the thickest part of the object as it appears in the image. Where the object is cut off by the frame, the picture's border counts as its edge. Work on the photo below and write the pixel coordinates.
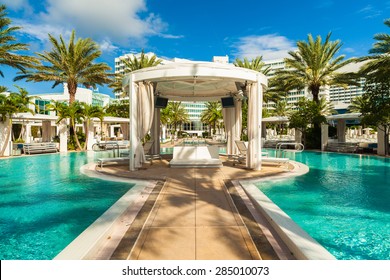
(301, 244)
(89, 243)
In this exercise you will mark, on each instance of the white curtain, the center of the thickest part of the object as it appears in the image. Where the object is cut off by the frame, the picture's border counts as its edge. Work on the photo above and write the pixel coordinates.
(145, 110)
(125, 130)
(228, 119)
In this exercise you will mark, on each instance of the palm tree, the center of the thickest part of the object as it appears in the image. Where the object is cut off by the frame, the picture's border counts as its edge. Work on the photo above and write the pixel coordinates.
(133, 63)
(71, 63)
(212, 115)
(314, 65)
(3, 89)
(8, 47)
(174, 115)
(89, 112)
(281, 109)
(358, 103)
(378, 66)
(24, 102)
(256, 64)
(10, 105)
(75, 115)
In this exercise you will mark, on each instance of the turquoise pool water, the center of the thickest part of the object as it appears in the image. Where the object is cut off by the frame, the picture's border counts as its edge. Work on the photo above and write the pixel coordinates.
(343, 202)
(45, 203)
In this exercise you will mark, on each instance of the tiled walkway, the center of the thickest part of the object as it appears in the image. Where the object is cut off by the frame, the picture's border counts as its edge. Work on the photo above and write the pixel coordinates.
(192, 217)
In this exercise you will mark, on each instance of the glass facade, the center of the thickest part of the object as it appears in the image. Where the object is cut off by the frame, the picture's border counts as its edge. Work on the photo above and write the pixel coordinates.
(41, 107)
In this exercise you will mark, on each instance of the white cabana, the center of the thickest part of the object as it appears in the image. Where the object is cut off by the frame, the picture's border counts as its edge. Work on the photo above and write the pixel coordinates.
(195, 81)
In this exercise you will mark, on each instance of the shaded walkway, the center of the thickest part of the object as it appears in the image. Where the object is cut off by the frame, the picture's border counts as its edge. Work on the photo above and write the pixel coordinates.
(194, 213)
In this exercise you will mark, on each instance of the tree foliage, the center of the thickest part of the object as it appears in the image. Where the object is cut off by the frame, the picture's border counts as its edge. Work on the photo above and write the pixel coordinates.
(9, 46)
(71, 63)
(314, 65)
(212, 115)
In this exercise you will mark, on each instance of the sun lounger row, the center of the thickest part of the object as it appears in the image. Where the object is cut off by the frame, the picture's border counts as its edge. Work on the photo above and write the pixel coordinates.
(39, 148)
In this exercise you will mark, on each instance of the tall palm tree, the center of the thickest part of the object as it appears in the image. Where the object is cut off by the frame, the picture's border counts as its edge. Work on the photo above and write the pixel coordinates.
(71, 63)
(212, 115)
(8, 47)
(378, 66)
(314, 65)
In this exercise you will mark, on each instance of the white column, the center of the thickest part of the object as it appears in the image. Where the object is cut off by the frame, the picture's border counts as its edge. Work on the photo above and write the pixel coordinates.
(253, 159)
(28, 137)
(341, 131)
(46, 131)
(382, 141)
(297, 135)
(5, 137)
(91, 136)
(324, 136)
(112, 131)
(63, 133)
(164, 132)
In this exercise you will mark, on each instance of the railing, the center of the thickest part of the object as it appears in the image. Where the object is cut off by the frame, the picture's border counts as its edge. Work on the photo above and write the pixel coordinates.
(298, 148)
(104, 146)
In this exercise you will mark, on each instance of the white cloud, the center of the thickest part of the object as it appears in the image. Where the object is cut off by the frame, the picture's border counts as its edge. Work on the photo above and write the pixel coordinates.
(270, 46)
(107, 46)
(18, 5)
(369, 11)
(110, 22)
(15, 4)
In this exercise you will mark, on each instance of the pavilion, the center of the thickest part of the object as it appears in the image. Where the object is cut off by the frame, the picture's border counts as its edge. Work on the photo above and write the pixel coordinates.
(195, 81)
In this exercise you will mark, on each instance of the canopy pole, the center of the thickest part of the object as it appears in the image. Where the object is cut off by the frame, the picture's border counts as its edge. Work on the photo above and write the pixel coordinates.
(133, 122)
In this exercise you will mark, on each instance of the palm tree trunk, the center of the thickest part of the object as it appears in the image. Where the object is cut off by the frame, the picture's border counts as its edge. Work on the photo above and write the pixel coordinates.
(72, 88)
(75, 135)
(86, 125)
(316, 92)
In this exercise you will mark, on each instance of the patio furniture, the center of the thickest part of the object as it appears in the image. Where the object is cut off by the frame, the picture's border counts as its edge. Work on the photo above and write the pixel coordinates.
(39, 148)
(195, 156)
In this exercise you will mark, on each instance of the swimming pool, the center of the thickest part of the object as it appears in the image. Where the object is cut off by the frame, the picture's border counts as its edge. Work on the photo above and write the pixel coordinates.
(343, 202)
(46, 202)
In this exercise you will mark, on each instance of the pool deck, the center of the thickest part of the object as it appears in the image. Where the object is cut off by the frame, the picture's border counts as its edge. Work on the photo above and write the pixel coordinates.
(196, 214)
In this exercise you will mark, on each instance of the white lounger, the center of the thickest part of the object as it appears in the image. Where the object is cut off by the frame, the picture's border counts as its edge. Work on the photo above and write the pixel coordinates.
(102, 161)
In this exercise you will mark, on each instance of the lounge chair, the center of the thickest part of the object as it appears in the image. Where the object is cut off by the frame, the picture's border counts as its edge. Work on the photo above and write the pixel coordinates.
(147, 148)
(265, 159)
(102, 161)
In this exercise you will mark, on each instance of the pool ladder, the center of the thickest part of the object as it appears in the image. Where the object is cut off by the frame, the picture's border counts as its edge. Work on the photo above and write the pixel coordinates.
(298, 148)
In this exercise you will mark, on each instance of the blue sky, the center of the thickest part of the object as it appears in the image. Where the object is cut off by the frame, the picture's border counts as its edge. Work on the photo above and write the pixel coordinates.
(196, 30)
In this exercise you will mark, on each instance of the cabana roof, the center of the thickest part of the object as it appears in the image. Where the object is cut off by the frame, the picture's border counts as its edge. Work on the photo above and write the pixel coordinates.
(275, 119)
(199, 81)
(347, 116)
